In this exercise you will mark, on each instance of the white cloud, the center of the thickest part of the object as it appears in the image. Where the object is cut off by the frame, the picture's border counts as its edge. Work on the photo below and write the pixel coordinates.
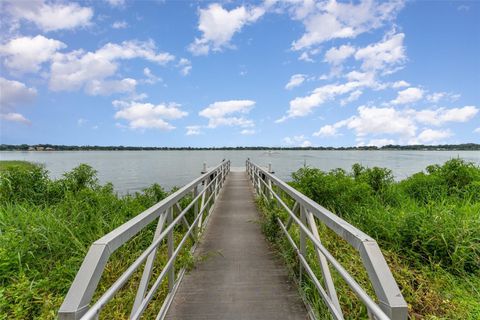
(437, 96)
(432, 136)
(477, 130)
(372, 120)
(148, 116)
(295, 81)
(230, 122)
(193, 130)
(151, 78)
(13, 94)
(71, 71)
(381, 56)
(408, 95)
(440, 116)
(134, 49)
(302, 106)
(247, 132)
(364, 78)
(185, 66)
(107, 87)
(400, 84)
(305, 57)
(26, 54)
(308, 54)
(352, 97)
(14, 117)
(331, 19)
(218, 25)
(49, 16)
(220, 113)
(78, 69)
(402, 123)
(327, 131)
(298, 141)
(384, 55)
(120, 25)
(306, 144)
(336, 56)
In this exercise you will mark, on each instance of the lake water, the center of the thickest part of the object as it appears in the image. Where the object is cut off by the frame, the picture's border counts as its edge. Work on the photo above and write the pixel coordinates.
(131, 171)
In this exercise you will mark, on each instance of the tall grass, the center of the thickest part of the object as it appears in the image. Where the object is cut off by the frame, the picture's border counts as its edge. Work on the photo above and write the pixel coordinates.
(46, 228)
(427, 225)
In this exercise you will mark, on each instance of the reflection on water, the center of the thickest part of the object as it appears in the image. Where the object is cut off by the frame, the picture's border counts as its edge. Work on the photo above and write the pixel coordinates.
(131, 171)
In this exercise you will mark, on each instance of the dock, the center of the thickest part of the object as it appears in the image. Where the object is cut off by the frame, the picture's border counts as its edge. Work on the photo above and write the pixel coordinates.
(237, 275)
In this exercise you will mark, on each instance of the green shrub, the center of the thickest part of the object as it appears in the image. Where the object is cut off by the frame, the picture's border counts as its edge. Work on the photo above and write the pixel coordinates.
(456, 178)
(23, 183)
(432, 216)
(46, 228)
(334, 190)
(81, 177)
(424, 187)
(377, 178)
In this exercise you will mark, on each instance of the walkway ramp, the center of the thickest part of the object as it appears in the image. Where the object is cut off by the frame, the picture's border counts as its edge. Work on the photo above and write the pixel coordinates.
(238, 275)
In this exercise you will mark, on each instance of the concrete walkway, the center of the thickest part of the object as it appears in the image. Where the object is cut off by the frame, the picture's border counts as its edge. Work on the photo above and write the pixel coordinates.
(238, 276)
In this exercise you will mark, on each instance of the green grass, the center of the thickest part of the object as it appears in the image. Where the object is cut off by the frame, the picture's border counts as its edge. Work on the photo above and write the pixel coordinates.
(46, 228)
(16, 165)
(428, 227)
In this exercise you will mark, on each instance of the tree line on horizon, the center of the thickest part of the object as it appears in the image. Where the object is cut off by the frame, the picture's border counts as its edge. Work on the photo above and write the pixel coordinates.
(53, 147)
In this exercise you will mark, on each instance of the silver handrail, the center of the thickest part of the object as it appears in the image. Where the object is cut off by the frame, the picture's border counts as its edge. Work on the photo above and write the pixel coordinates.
(204, 191)
(391, 304)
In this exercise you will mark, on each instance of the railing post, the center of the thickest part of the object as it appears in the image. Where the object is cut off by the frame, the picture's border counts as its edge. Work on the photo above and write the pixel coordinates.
(202, 203)
(195, 208)
(259, 184)
(327, 276)
(170, 243)
(147, 270)
(223, 171)
(303, 242)
(216, 187)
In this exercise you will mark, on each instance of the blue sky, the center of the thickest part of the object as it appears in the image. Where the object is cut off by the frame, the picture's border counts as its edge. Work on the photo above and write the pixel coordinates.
(271, 73)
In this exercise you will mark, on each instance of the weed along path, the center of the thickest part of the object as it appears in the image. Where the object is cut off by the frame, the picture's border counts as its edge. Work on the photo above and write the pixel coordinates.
(238, 276)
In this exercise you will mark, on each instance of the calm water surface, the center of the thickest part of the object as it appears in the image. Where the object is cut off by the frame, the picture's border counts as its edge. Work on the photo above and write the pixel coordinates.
(131, 171)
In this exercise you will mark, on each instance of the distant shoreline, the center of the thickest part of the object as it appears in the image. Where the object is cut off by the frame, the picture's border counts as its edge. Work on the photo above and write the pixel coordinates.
(51, 148)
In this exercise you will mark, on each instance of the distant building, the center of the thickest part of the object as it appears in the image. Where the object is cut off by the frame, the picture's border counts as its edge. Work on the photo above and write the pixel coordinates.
(49, 149)
(40, 148)
(31, 149)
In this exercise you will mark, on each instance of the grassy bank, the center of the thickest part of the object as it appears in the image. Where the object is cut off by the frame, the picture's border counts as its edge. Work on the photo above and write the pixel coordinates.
(46, 228)
(428, 227)
(15, 165)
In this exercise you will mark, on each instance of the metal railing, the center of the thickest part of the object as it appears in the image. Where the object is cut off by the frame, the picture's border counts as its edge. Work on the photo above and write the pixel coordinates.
(304, 213)
(203, 191)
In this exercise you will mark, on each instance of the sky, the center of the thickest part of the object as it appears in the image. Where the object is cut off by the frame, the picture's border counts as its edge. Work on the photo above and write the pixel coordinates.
(265, 73)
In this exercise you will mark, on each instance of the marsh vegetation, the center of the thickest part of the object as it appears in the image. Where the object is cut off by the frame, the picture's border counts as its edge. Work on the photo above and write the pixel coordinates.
(427, 225)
